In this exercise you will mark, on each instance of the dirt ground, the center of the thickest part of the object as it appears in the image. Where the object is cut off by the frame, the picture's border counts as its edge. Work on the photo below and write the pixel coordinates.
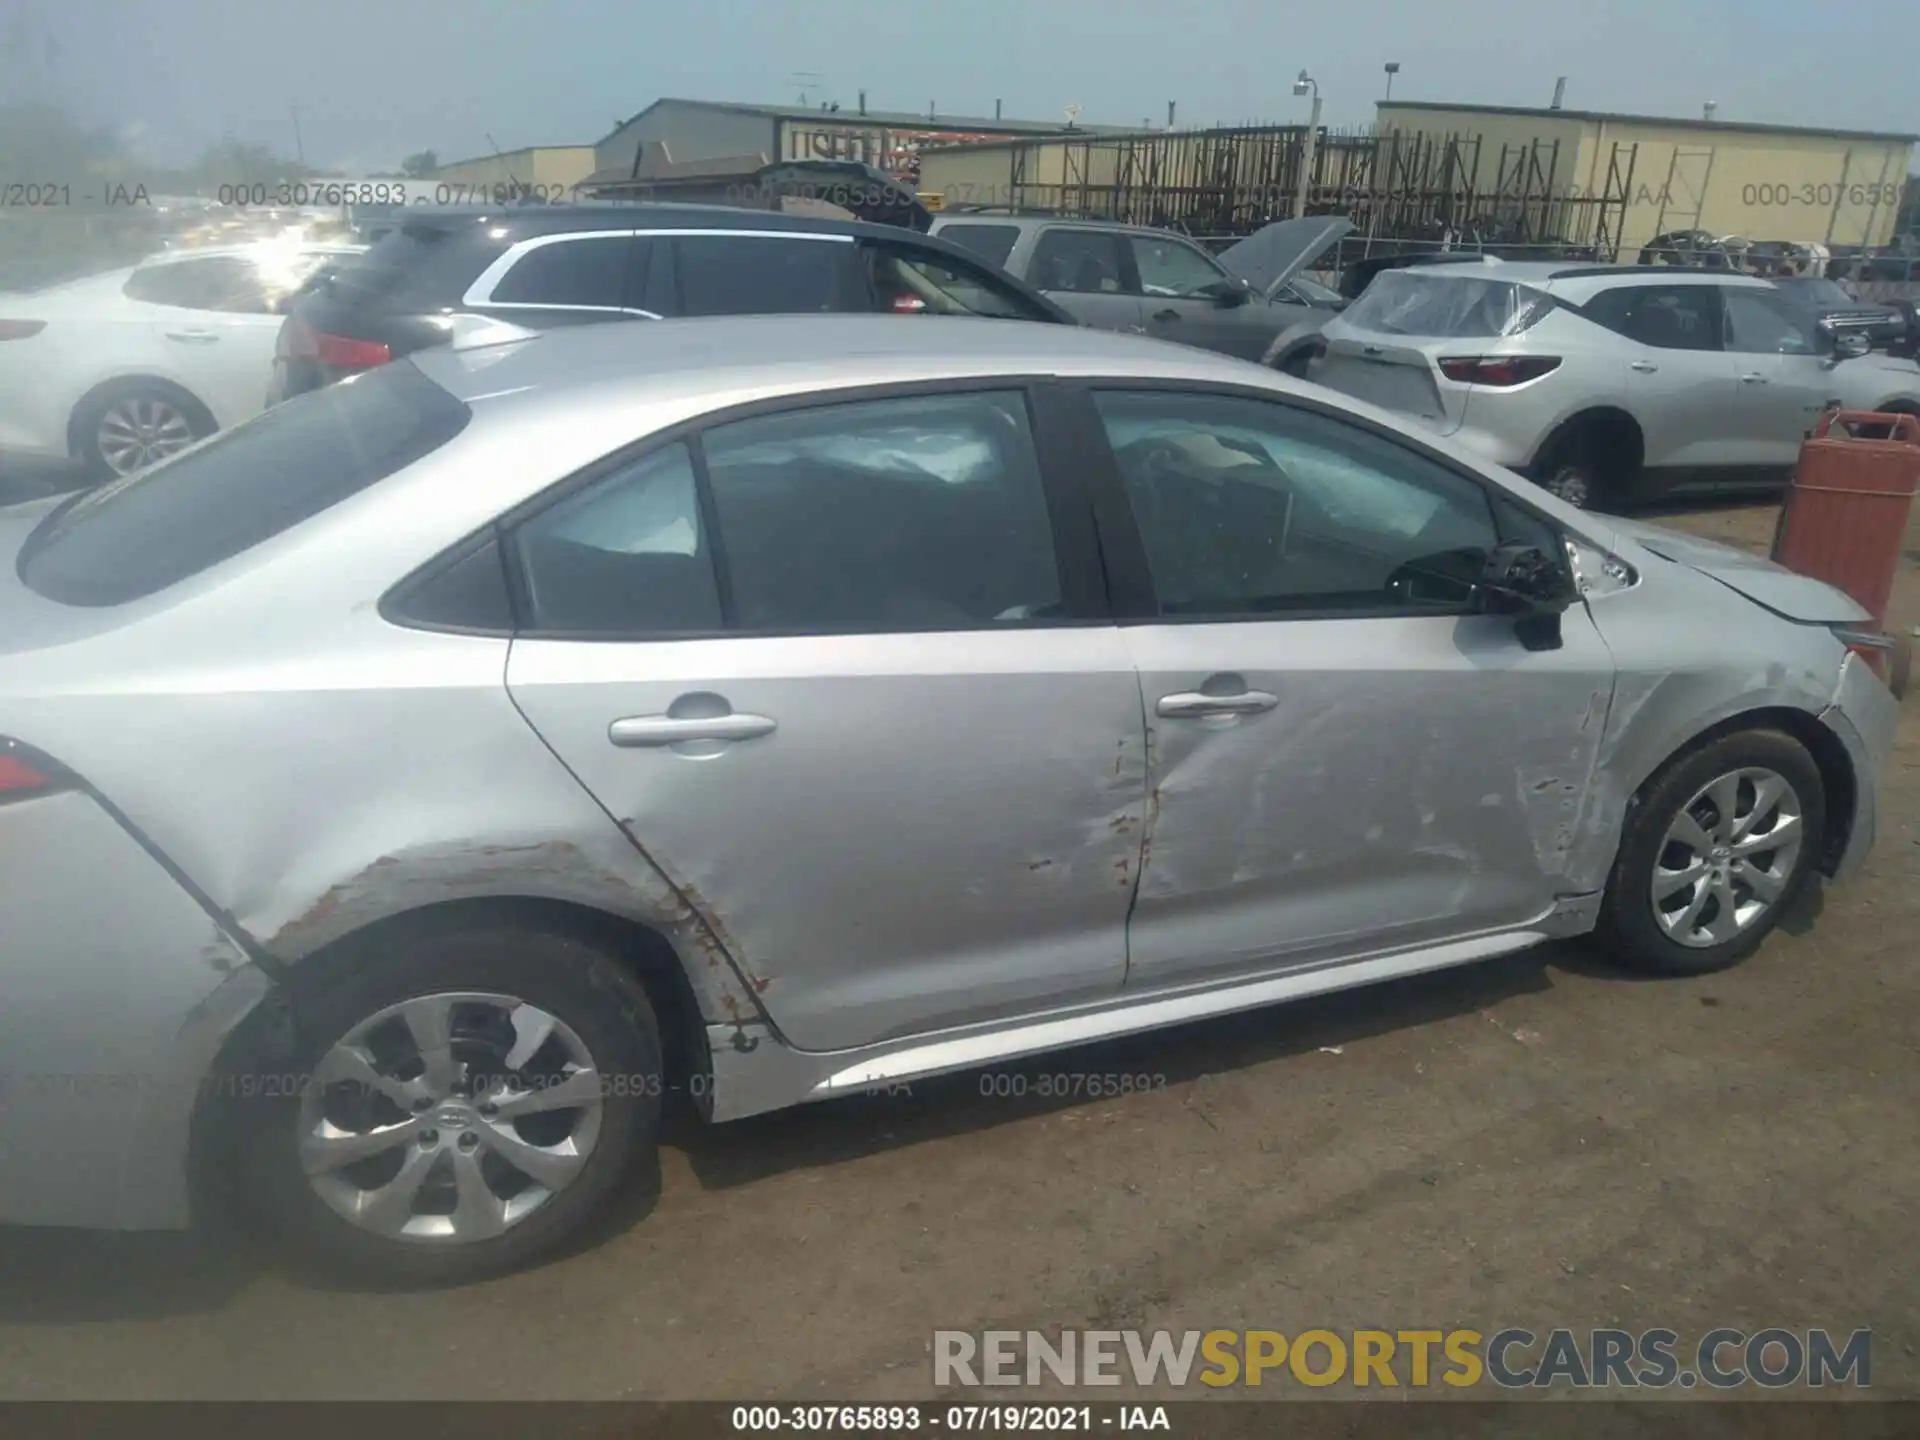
(1539, 1141)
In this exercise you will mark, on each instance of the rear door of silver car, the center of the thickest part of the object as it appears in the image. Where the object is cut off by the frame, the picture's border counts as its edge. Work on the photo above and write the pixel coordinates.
(843, 669)
(1346, 757)
(1680, 378)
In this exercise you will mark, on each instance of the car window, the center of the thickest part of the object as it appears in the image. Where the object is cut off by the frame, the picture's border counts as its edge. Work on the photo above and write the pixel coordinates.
(1761, 322)
(922, 513)
(586, 271)
(1167, 267)
(1407, 302)
(764, 275)
(992, 243)
(1254, 508)
(911, 281)
(154, 529)
(1668, 317)
(421, 265)
(1082, 262)
(627, 555)
(220, 282)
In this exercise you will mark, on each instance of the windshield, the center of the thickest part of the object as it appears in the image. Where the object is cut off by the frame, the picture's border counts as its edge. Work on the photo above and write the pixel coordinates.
(1819, 292)
(1403, 302)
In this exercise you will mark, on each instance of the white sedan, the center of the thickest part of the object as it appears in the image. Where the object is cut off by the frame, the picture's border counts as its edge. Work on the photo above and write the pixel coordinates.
(118, 370)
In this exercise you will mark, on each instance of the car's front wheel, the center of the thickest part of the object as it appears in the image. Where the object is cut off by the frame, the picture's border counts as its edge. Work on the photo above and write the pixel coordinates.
(131, 425)
(467, 1102)
(1714, 850)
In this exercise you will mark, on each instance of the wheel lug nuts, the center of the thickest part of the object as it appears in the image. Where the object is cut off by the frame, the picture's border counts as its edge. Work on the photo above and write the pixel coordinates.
(429, 1139)
(489, 1109)
(469, 1140)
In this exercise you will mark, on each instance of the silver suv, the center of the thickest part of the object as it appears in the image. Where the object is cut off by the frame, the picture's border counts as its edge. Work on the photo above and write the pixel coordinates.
(1606, 383)
(1153, 282)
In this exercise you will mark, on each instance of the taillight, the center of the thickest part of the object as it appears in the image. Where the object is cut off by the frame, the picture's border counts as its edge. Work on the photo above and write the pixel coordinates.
(20, 329)
(1498, 369)
(18, 778)
(299, 341)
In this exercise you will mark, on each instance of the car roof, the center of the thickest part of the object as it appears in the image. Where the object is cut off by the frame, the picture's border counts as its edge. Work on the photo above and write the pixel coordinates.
(722, 353)
(1563, 278)
(520, 221)
(1027, 221)
(249, 250)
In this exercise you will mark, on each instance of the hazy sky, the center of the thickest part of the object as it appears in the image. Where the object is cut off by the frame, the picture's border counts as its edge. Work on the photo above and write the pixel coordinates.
(376, 79)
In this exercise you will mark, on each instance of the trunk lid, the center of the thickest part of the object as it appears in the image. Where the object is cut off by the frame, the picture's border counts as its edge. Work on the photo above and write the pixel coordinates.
(1776, 588)
(1393, 374)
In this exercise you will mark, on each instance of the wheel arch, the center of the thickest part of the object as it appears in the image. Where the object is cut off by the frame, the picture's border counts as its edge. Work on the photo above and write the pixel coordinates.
(1612, 428)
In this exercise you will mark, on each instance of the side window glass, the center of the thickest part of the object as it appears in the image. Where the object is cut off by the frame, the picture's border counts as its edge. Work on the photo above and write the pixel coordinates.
(922, 513)
(749, 274)
(1083, 262)
(992, 243)
(1171, 269)
(625, 556)
(909, 281)
(1250, 509)
(1759, 323)
(585, 272)
(1667, 317)
(224, 283)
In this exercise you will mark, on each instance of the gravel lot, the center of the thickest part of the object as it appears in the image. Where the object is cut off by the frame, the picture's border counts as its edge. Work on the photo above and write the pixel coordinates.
(1539, 1141)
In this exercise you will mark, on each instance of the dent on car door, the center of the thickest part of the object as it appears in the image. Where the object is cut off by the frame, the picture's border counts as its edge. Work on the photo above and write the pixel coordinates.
(1345, 757)
(841, 672)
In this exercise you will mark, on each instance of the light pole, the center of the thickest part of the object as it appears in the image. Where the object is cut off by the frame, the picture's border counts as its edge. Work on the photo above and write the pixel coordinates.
(1302, 86)
(1393, 69)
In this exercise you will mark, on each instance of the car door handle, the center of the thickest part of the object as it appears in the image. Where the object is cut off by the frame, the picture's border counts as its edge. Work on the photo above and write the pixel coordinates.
(194, 337)
(1191, 704)
(1753, 379)
(1168, 314)
(640, 731)
(1645, 367)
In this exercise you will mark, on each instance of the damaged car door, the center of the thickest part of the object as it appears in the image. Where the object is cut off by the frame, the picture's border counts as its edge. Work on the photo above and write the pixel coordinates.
(843, 670)
(1346, 755)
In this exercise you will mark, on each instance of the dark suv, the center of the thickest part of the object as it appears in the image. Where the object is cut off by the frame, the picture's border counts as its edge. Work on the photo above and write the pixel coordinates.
(540, 266)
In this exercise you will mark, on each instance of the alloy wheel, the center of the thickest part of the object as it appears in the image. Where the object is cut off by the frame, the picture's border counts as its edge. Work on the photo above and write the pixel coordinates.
(136, 431)
(1727, 858)
(450, 1117)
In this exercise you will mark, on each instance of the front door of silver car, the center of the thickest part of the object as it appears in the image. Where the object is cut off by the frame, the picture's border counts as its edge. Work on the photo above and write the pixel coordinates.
(1187, 297)
(1347, 755)
(836, 672)
(1090, 274)
(1781, 383)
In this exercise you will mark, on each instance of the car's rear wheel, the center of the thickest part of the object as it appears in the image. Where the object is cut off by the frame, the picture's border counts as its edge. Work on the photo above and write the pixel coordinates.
(465, 1103)
(1714, 850)
(127, 427)
(1572, 480)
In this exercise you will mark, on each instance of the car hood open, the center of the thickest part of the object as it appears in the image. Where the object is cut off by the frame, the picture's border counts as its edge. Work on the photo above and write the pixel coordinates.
(1797, 597)
(1274, 254)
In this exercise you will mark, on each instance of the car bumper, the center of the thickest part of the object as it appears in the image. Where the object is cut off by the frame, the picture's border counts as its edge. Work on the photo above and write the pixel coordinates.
(1864, 715)
(119, 989)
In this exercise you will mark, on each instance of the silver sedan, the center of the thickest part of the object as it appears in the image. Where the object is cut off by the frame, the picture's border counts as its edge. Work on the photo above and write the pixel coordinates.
(406, 792)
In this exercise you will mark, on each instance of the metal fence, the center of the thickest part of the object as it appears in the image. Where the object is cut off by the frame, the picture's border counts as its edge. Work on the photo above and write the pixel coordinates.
(1401, 189)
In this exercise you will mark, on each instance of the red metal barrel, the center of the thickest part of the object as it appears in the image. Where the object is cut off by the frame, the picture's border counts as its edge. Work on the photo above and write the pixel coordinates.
(1846, 511)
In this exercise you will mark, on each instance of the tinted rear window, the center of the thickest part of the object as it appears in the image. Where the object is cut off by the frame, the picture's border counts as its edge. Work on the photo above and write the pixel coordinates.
(139, 535)
(420, 266)
(990, 242)
(1401, 302)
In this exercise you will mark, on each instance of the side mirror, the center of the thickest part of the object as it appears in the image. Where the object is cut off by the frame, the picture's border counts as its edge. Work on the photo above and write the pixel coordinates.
(1850, 345)
(1525, 582)
(1228, 293)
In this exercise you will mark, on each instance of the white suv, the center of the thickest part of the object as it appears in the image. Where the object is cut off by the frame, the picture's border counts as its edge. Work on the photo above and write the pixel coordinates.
(1606, 383)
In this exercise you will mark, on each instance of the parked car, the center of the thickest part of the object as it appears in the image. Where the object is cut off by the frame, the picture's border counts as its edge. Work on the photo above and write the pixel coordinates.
(1696, 249)
(406, 791)
(115, 371)
(541, 266)
(1607, 383)
(1154, 282)
(1887, 326)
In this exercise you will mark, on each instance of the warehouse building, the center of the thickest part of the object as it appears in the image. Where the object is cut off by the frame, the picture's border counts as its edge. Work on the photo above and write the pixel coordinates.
(670, 136)
(1760, 182)
(548, 168)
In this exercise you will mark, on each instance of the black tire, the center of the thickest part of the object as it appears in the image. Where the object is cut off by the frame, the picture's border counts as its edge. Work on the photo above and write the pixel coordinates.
(83, 429)
(1628, 923)
(1571, 475)
(1295, 363)
(604, 1007)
